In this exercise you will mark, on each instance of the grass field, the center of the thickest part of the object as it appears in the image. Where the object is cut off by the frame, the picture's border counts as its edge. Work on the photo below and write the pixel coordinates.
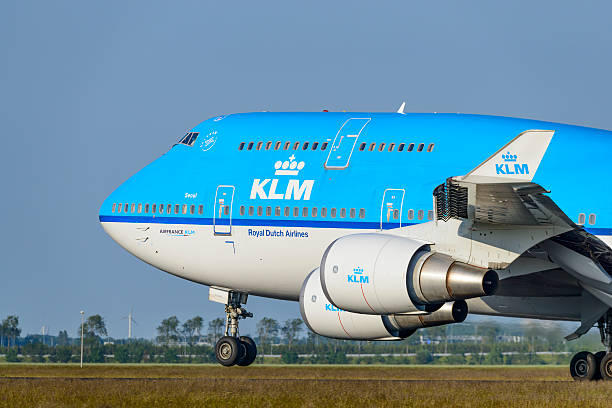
(23, 385)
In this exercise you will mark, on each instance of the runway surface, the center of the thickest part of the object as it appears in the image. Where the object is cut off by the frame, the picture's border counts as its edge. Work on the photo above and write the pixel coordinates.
(178, 386)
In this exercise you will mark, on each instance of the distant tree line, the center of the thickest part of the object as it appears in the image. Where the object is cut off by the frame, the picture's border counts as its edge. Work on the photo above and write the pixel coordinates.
(467, 343)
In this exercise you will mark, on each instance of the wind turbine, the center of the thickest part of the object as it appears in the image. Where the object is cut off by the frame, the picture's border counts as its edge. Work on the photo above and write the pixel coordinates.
(130, 318)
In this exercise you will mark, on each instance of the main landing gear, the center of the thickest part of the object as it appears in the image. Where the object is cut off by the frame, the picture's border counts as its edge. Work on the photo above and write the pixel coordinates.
(233, 349)
(587, 366)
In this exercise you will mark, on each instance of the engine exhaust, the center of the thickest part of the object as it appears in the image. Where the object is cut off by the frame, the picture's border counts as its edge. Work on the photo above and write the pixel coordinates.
(439, 278)
(450, 312)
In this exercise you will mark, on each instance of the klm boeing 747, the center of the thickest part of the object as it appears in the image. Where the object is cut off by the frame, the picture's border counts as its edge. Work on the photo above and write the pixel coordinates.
(379, 224)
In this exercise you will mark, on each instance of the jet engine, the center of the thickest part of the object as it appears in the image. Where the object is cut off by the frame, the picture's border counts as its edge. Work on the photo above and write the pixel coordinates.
(385, 274)
(327, 320)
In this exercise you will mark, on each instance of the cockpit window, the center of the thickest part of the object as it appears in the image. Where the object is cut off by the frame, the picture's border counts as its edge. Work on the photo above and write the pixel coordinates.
(189, 138)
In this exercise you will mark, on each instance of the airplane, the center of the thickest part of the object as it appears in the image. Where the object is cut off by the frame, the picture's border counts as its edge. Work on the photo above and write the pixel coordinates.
(379, 224)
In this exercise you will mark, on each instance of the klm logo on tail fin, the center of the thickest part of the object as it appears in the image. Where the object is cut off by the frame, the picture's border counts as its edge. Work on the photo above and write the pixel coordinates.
(509, 166)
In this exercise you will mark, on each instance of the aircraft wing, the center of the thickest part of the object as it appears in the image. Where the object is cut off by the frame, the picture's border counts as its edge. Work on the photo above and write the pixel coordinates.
(500, 190)
(498, 198)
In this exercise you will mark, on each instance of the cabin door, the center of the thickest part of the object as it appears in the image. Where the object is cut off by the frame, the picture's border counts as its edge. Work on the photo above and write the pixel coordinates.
(391, 208)
(344, 143)
(222, 218)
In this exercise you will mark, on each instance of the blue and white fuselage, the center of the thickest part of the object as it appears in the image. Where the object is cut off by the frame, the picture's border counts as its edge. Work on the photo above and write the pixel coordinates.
(250, 202)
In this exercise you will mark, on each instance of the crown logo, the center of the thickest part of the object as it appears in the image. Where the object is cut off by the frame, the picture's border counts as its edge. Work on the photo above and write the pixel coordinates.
(509, 157)
(358, 270)
(288, 167)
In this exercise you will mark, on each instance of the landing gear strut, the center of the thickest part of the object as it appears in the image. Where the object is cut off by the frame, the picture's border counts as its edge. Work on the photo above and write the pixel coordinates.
(587, 366)
(233, 349)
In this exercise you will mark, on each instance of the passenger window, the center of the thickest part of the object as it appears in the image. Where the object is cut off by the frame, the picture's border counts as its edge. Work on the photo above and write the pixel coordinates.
(296, 145)
(287, 145)
(323, 212)
(251, 210)
(259, 144)
(372, 147)
(333, 213)
(362, 147)
(250, 146)
(277, 211)
(133, 207)
(146, 210)
(315, 145)
(305, 212)
(287, 211)
(139, 208)
(226, 210)
(420, 148)
(592, 219)
(421, 214)
(114, 206)
(177, 208)
(391, 146)
(362, 213)
(430, 148)
(400, 148)
(430, 215)
(581, 219)
(201, 210)
(324, 146)
(410, 214)
(268, 145)
(184, 208)
(353, 212)
(277, 145)
(260, 210)
(154, 208)
(343, 213)
(192, 209)
(296, 212)
(242, 210)
(410, 147)
(305, 146)
(268, 211)
(241, 146)
(395, 214)
(314, 211)
(169, 209)
(381, 147)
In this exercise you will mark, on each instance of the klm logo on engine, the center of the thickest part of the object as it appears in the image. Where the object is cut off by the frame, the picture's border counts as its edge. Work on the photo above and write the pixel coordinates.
(292, 189)
(331, 308)
(358, 276)
(510, 166)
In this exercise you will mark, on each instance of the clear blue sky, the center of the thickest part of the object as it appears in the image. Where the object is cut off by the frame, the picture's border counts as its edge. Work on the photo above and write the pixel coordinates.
(90, 92)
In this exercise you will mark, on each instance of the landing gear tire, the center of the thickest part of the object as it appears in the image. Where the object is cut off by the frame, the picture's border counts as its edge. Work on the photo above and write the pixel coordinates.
(583, 366)
(598, 358)
(229, 351)
(605, 367)
(251, 351)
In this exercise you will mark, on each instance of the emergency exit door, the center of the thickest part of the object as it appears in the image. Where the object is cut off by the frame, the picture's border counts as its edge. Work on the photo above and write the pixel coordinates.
(391, 208)
(344, 143)
(222, 218)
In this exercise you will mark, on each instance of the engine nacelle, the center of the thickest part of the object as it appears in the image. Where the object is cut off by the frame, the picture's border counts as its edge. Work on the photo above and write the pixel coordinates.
(327, 320)
(323, 318)
(385, 274)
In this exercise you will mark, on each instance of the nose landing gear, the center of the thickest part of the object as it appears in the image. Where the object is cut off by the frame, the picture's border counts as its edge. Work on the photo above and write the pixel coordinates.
(587, 366)
(233, 349)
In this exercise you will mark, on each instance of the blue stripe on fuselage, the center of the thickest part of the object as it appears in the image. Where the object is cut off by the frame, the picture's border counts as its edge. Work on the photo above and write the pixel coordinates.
(259, 222)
